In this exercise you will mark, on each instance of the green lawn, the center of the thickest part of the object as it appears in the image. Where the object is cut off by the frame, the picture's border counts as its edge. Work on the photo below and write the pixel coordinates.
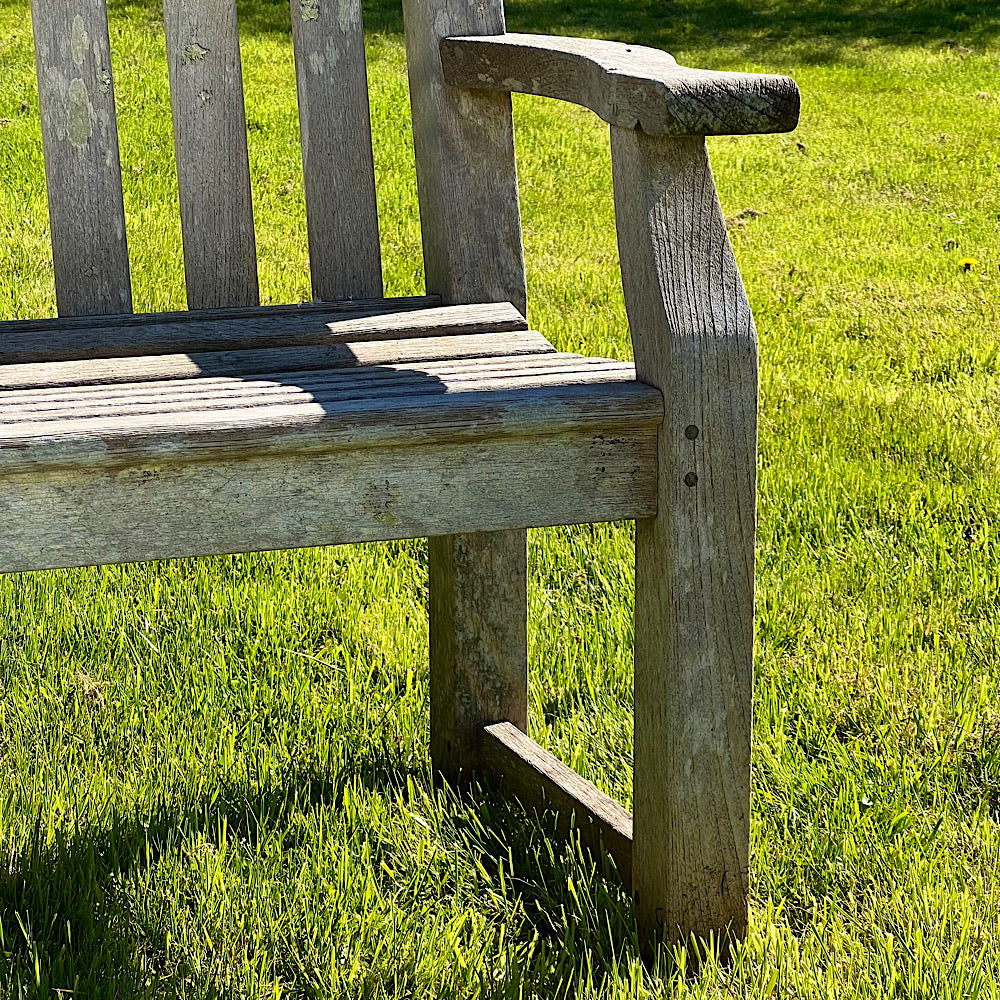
(214, 778)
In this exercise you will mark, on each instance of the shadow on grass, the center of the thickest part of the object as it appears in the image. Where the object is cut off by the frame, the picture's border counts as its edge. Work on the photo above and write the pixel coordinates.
(64, 931)
(65, 927)
(817, 31)
(580, 931)
(583, 931)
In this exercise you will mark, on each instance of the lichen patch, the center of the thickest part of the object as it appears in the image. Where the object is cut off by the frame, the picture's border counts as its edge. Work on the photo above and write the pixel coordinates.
(79, 128)
(195, 52)
(78, 41)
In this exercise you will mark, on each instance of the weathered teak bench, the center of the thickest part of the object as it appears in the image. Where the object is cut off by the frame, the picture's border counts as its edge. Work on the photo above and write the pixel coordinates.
(233, 428)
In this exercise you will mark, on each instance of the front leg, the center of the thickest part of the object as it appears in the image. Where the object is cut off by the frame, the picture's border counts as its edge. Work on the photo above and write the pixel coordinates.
(694, 339)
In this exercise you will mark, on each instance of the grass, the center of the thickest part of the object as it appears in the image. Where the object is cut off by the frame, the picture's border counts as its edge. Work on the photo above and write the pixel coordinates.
(213, 774)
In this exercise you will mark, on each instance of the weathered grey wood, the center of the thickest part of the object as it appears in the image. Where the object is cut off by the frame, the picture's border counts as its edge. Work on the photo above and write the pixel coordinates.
(159, 511)
(80, 139)
(694, 338)
(466, 174)
(131, 400)
(471, 225)
(37, 341)
(479, 650)
(106, 371)
(422, 410)
(360, 421)
(335, 126)
(541, 781)
(342, 309)
(630, 86)
(481, 317)
(210, 140)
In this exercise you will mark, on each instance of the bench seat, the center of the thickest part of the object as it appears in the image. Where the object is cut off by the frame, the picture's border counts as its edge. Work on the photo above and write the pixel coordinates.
(326, 425)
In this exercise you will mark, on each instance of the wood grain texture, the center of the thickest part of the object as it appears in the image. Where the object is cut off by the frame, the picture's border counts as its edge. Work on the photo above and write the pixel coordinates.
(353, 307)
(694, 338)
(335, 126)
(302, 415)
(162, 510)
(131, 400)
(110, 371)
(630, 86)
(210, 141)
(466, 174)
(478, 646)
(471, 226)
(541, 781)
(482, 317)
(39, 341)
(80, 139)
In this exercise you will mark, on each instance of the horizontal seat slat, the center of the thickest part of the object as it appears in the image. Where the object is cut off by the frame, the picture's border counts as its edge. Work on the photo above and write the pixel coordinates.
(137, 421)
(370, 421)
(136, 417)
(259, 329)
(350, 307)
(130, 397)
(325, 403)
(109, 371)
(327, 393)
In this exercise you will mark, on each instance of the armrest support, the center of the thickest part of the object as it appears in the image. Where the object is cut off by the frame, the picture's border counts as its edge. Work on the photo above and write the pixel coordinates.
(630, 86)
(694, 339)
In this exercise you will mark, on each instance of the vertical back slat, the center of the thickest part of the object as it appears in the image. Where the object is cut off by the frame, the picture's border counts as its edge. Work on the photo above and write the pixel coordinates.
(335, 124)
(210, 141)
(463, 141)
(82, 169)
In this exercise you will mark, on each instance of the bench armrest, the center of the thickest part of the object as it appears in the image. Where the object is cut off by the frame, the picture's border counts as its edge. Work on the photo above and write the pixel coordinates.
(631, 86)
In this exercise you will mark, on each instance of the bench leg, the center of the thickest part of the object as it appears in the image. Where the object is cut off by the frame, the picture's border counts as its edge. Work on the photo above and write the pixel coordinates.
(478, 643)
(694, 338)
(691, 835)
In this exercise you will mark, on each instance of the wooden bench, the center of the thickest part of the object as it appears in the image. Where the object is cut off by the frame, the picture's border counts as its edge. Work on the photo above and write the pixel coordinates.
(233, 428)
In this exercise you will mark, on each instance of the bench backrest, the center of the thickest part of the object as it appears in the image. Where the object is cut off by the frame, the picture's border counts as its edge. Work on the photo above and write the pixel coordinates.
(89, 242)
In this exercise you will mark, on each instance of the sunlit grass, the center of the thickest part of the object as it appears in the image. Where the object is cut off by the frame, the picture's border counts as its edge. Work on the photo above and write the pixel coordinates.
(213, 774)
